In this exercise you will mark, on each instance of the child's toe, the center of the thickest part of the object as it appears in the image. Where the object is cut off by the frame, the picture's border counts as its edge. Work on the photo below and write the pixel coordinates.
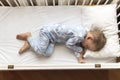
(17, 36)
(20, 51)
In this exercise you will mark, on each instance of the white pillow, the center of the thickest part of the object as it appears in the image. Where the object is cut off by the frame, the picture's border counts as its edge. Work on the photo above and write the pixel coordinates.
(104, 16)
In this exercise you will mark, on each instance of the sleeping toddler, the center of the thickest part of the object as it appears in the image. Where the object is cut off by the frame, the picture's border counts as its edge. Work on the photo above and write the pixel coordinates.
(77, 39)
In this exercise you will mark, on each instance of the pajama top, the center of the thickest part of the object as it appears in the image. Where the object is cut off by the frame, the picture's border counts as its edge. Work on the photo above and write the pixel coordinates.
(71, 36)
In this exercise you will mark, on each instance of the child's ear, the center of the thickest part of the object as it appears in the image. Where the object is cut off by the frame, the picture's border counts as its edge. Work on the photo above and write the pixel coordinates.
(90, 38)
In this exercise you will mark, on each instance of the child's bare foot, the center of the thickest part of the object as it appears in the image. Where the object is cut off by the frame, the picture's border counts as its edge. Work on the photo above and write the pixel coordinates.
(23, 36)
(25, 47)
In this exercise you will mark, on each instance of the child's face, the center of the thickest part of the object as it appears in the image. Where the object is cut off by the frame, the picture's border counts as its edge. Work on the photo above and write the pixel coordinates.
(88, 42)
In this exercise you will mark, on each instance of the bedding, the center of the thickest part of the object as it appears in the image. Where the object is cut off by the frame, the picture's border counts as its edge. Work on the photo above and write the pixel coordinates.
(23, 19)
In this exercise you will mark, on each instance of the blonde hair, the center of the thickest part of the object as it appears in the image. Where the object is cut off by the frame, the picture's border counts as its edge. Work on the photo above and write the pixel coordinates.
(99, 38)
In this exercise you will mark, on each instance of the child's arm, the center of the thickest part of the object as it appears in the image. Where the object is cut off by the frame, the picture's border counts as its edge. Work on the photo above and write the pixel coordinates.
(71, 43)
(81, 58)
(79, 51)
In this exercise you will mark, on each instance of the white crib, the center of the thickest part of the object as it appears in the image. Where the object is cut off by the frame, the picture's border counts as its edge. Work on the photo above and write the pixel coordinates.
(27, 15)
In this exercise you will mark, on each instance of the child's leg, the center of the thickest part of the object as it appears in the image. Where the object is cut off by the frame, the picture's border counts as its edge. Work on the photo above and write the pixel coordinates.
(39, 45)
(23, 36)
(25, 47)
(49, 50)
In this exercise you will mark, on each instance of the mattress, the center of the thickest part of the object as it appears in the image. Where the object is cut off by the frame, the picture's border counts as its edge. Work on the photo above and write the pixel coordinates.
(24, 19)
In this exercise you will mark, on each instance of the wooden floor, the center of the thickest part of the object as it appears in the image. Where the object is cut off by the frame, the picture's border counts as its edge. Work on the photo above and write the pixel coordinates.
(55, 75)
(61, 75)
(114, 74)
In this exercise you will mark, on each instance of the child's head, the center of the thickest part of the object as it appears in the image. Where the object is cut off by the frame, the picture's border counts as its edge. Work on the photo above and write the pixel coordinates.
(94, 39)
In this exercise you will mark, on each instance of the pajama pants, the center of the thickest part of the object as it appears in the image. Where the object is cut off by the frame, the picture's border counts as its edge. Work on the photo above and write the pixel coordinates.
(42, 45)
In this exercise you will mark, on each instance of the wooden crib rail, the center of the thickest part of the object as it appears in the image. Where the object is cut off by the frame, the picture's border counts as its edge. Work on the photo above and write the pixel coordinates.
(13, 3)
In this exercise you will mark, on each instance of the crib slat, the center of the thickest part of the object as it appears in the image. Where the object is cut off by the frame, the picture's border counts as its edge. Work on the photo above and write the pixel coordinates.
(98, 2)
(76, 1)
(118, 31)
(118, 15)
(16, 2)
(2, 3)
(61, 2)
(119, 34)
(83, 3)
(9, 3)
(38, 2)
(46, 2)
(68, 2)
(118, 6)
(106, 2)
(91, 2)
(23, 2)
(31, 2)
(119, 23)
(53, 2)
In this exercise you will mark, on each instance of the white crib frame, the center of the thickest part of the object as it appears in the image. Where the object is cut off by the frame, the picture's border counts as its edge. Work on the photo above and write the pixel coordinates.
(68, 66)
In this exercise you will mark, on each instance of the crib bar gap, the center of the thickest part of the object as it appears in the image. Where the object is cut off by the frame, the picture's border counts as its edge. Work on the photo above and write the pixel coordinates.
(106, 2)
(91, 2)
(76, 1)
(9, 3)
(2, 3)
(83, 3)
(98, 2)
(16, 2)
(23, 2)
(119, 34)
(53, 2)
(46, 2)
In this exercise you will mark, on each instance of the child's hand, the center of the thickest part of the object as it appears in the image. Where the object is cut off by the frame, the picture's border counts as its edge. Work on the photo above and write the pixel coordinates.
(81, 60)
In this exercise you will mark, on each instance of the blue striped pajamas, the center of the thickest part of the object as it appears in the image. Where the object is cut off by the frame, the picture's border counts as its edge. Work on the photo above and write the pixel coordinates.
(49, 35)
